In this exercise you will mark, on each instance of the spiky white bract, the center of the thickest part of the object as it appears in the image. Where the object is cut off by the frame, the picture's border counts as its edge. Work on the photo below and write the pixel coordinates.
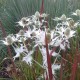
(19, 50)
(28, 58)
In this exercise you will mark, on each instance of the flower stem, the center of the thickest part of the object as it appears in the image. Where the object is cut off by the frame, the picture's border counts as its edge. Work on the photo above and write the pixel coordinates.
(48, 60)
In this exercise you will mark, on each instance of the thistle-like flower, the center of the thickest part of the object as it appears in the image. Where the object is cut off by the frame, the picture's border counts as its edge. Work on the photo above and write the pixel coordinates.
(71, 23)
(76, 13)
(9, 40)
(62, 18)
(37, 14)
(24, 21)
(21, 33)
(69, 33)
(19, 50)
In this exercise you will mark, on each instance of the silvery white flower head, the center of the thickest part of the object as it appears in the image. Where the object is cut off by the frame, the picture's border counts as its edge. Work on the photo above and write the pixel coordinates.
(69, 33)
(37, 24)
(71, 24)
(37, 14)
(22, 36)
(21, 32)
(63, 17)
(61, 39)
(9, 40)
(23, 22)
(76, 13)
(66, 32)
(21, 39)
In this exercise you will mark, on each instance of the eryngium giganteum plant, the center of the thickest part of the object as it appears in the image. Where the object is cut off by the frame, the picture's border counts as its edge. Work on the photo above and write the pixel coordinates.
(37, 41)
(12, 11)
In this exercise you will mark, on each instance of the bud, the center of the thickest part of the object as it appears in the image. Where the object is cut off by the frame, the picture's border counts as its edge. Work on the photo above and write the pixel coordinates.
(48, 37)
(9, 40)
(37, 14)
(24, 21)
(21, 32)
(67, 32)
(63, 17)
(71, 23)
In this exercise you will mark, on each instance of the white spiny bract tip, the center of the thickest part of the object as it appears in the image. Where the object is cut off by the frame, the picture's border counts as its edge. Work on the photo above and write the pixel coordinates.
(56, 19)
(28, 60)
(19, 50)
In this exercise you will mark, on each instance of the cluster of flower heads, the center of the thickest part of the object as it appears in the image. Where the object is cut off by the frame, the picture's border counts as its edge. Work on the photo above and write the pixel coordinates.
(32, 35)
